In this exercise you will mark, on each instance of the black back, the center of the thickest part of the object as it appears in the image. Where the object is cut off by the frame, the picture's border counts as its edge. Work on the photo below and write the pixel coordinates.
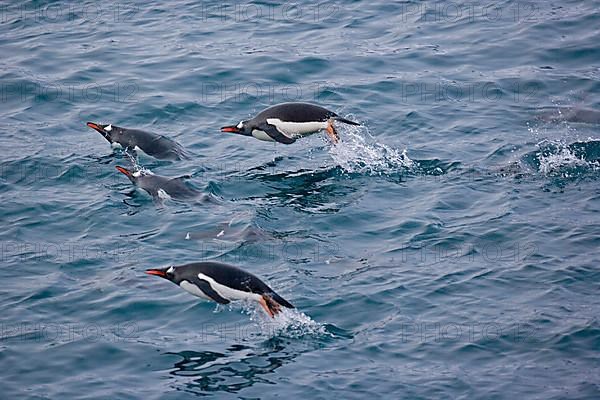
(174, 187)
(157, 146)
(224, 274)
(295, 112)
(227, 275)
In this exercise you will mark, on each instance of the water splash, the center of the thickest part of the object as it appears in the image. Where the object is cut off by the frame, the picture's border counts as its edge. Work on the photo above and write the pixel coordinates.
(357, 152)
(290, 323)
(567, 160)
(553, 163)
(137, 167)
(132, 158)
(562, 151)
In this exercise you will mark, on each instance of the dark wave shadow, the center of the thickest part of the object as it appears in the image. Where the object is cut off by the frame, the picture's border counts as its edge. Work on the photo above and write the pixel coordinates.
(327, 189)
(238, 367)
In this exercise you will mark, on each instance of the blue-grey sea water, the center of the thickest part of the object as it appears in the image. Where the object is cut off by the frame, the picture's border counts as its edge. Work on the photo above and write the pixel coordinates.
(447, 248)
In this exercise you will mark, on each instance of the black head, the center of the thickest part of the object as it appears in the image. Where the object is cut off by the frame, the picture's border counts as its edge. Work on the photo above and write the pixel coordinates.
(110, 132)
(243, 128)
(169, 273)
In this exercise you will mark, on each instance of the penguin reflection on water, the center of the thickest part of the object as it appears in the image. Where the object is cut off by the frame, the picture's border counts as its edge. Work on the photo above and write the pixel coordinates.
(222, 283)
(286, 122)
(157, 146)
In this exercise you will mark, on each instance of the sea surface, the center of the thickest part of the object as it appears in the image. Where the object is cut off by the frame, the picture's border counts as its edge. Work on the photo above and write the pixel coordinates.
(447, 248)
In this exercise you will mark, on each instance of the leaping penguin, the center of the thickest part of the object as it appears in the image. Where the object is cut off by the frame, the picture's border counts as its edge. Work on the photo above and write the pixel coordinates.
(222, 283)
(158, 146)
(286, 122)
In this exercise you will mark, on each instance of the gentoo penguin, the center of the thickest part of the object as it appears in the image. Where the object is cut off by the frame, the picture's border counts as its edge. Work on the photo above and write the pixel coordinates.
(222, 283)
(286, 122)
(159, 186)
(154, 145)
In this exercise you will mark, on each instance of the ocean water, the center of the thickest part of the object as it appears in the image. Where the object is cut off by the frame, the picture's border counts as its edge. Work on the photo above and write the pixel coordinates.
(446, 248)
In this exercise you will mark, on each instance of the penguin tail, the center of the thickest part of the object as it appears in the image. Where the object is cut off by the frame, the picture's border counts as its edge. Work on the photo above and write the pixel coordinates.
(281, 300)
(345, 121)
(272, 303)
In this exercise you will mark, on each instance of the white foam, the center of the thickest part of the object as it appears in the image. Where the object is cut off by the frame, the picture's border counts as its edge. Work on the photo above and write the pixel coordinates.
(141, 171)
(555, 156)
(290, 322)
(560, 161)
(358, 152)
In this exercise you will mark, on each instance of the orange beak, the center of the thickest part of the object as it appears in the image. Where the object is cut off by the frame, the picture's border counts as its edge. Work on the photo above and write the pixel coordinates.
(233, 129)
(123, 170)
(95, 126)
(157, 272)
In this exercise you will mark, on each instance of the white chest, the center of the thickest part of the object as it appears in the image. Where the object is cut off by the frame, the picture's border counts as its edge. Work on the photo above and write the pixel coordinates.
(297, 129)
(223, 291)
(227, 292)
(261, 135)
(193, 289)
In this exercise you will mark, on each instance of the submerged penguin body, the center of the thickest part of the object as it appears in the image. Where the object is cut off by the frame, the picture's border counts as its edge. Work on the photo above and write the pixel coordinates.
(160, 186)
(157, 146)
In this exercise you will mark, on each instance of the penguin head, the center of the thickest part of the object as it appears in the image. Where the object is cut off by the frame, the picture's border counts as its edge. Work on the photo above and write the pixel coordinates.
(243, 128)
(170, 273)
(110, 132)
(133, 176)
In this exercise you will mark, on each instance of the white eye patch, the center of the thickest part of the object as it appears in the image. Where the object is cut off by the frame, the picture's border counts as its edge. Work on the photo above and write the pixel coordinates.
(240, 125)
(170, 270)
(108, 128)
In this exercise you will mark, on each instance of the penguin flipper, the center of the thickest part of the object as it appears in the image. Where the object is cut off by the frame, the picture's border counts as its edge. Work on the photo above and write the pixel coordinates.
(209, 291)
(180, 178)
(274, 134)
